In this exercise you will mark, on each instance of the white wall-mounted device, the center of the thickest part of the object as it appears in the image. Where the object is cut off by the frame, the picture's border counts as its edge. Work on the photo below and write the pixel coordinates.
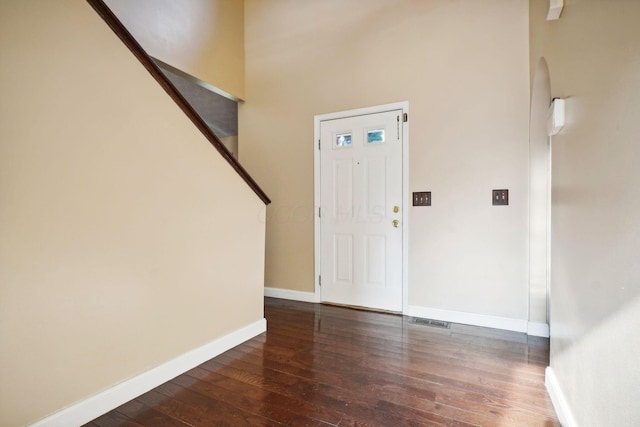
(555, 9)
(555, 118)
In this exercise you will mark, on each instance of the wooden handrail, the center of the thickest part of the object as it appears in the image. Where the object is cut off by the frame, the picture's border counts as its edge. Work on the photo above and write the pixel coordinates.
(123, 34)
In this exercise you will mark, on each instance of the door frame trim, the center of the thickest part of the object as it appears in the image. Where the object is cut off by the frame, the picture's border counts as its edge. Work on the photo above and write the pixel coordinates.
(404, 106)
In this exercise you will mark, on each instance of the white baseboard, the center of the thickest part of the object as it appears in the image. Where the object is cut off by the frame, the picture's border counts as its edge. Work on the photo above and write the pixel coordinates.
(484, 320)
(290, 294)
(538, 329)
(98, 404)
(560, 404)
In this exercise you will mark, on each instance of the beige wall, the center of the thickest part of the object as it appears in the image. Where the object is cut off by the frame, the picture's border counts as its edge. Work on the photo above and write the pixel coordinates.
(231, 142)
(203, 38)
(463, 67)
(126, 240)
(593, 53)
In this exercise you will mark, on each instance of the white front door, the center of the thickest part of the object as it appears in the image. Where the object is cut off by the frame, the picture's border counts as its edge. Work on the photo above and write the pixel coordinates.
(361, 210)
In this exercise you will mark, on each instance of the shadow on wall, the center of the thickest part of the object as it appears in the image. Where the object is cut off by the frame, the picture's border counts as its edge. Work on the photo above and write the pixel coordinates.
(615, 344)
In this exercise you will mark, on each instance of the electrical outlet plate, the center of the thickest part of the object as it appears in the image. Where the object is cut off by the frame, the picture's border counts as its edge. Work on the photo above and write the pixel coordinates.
(500, 197)
(422, 198)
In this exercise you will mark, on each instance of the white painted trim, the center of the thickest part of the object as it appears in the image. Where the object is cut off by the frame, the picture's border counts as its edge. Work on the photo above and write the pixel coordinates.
(549, 206)
(290, 294)
(404, 106)
(316, 206)
(484, 320)
(406, 200)
(98, 404)
(538, 329)
(560, 404)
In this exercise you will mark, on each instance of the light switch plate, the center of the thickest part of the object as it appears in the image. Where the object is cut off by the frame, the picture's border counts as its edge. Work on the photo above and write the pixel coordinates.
(422, 198)
(500, 197)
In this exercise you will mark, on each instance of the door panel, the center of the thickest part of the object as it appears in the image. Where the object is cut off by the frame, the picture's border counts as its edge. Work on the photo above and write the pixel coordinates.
(360, 184)
(343, 252)
(375, 260)
(343, 187)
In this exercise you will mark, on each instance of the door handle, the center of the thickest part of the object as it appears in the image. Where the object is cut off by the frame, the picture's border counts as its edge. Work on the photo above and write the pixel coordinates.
(395, 223)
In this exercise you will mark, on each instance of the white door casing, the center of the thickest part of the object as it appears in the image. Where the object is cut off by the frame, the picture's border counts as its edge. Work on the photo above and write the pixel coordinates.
(362, 199)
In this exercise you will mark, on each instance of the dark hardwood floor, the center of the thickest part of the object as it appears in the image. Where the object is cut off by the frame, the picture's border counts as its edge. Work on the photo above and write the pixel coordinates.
(321, 365)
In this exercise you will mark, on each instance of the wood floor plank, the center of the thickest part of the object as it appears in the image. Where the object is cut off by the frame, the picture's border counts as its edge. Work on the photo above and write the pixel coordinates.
(114, 419)
(198, 410)
(453, 380)
(398, 393)
(255, 399)
(323, 366)
(480, 365)
(380, 382)
(145, 415)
